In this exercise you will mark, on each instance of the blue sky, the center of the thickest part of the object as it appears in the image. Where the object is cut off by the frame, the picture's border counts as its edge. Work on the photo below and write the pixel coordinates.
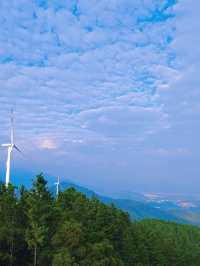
(105, 93)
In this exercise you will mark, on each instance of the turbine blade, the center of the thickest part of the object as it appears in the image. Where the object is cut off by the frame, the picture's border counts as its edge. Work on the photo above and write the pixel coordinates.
(12, 127)
(5, 145)
(17, 148)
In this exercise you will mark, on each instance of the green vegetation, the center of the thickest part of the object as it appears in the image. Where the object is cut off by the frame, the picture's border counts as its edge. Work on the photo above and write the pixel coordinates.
(72, 230)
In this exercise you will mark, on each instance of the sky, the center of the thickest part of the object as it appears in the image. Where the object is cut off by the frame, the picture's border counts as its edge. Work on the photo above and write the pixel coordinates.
(105, 93)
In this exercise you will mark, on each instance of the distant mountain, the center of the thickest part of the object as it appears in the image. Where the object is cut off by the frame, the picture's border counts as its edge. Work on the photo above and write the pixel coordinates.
(129, 195)
(192, 216)
(141, 210)
(68, 184)
(137, 209)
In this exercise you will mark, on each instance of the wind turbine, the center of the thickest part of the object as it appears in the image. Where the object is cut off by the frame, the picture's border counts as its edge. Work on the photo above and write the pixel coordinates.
(57, 186)
(10, 147)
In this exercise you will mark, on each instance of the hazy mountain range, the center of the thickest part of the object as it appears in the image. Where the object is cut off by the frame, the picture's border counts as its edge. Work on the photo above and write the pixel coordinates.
(152, 205)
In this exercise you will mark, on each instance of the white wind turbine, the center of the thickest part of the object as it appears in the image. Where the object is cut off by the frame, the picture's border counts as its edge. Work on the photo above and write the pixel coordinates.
(10, 147)
(57, 186)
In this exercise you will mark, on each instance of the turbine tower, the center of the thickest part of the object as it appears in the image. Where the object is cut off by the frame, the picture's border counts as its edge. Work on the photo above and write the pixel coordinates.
(57, 186)
(10, 146)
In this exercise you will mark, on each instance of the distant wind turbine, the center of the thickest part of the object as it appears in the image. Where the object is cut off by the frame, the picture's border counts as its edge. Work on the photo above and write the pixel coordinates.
(57, 186)
(10, 147)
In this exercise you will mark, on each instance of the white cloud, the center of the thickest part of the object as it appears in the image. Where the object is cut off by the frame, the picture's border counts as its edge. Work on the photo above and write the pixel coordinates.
(166, 152)
(96, 74)
(48, 144)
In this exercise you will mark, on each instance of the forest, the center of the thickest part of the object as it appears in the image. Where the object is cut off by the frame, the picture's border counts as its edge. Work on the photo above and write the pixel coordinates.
(39, 228)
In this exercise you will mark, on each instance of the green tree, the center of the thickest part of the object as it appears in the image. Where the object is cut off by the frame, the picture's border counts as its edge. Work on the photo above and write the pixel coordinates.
(40, 221)
(9, 225)
(62, 258)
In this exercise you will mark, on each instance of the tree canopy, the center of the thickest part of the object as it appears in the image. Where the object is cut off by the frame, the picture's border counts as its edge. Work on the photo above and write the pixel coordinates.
(73, 230)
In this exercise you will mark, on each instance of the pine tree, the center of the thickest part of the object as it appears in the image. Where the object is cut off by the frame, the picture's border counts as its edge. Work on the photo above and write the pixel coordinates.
(9, 225)
(40, 220)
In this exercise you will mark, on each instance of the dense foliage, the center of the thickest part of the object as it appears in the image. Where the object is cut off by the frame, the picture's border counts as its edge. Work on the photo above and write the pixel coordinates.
(39, 229)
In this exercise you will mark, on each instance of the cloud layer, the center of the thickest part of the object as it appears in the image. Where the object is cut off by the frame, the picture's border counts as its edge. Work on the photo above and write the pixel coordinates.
(94, 80)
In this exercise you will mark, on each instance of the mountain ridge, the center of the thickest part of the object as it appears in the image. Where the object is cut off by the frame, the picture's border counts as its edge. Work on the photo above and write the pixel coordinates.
(137, 210)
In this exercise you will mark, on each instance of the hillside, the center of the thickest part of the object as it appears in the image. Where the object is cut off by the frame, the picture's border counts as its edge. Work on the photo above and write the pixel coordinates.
(139, 210)
(73, 230)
